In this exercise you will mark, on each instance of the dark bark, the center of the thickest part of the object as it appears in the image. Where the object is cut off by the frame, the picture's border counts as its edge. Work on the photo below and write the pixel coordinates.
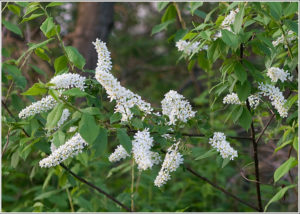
(94, 20)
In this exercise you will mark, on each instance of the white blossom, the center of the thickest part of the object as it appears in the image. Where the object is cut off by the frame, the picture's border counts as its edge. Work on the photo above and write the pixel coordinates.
(72, 129)
(176, 108)
(189, 47)
(228, 20)
(64, 116)
(45, 104)
(276, 97)
(234, 99)
(279, 74)
(67, 81)
(280, 39)
(125, 99)
(171, 162)
(71, 148)
(52, 146)
(118, 154)
(142, 154)
(221, 145)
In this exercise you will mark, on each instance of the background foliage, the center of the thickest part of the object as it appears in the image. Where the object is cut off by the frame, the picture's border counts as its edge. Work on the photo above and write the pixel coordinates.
(146, 61)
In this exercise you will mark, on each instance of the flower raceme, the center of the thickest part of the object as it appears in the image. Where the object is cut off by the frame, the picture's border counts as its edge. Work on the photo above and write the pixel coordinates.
(176, 107)
(233, 98)
(221, 145)
(276, 97)
(280, 39)
(71, 148)
(62, 82)
(119, 153)
(171, 162)
(125, 99)
(142, 154)
(279, 74)
(189, 47)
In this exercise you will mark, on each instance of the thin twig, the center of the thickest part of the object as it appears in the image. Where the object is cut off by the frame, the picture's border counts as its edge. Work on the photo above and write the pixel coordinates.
(95, 187)
(221, 189)
(6, 144)
(182, 23)
(70, 200)
(264, 129)
(132, 185)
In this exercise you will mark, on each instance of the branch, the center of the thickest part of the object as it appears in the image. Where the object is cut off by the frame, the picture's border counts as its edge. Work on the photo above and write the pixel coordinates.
(221, 189)
(266, 126)
(95, 187)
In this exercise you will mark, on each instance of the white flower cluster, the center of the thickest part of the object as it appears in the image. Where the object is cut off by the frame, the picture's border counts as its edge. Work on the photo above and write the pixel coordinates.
(67, 81)
(280, 40)
(142, 154)
(125, 99)
(64, 116)
(221, 145)
(228, 20)
(276, 96)
(45, 104)
(234, 99)
(62, 82)
(118, 154)
(188, 47)
(176, 108)
(171, 162)
(279, 74)
(71, 148)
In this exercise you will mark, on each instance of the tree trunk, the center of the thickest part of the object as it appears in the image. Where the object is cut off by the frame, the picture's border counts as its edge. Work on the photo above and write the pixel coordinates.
(94, 20)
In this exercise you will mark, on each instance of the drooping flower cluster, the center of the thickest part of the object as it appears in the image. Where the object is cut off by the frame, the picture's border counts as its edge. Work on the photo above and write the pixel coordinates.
(62, 82)
(176, 108)
(67, 81)
(45, 104)
(279, 74)
(280, 39)
(125, 99)
(118, 154)
(189, 47)
(221, 145)
(228, 20)
(64, 116)
(71, 148)
(234, 99)
(142, 154)
(276, 97)
(171, 162)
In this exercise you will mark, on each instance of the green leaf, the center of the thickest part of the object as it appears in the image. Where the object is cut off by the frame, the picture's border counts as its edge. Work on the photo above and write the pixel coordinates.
(282, 145)
(88, 128)
(161, 5)
(243, 90)
(14, 160)
(194, 6)
(59, 138)
(237, 112)
(115, 117)
(12, 27)
(292, 8)
(180, 34)
(225, 162)
(36, 89)
(124, 139)
(238, 20)
(22, 4)
(37, 69)
(284, 168)
(53, 4)
(101, 141)
(230, 38)
(33, 16)
(295, 143)
(91, 111)
(41, 53)
(279, 195)
(245, 119)
(137, 123)
(75, 92)
(275, 10)
(169, 14)
(39, 45)
(161, 27)
(31, 7)
(240, 72)
(15, 9)
(75, 57)
(54, 116)
(207, 154)
(47, 194)
(292, 25)
(61, 65)
(48, 27)
(213, 51)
